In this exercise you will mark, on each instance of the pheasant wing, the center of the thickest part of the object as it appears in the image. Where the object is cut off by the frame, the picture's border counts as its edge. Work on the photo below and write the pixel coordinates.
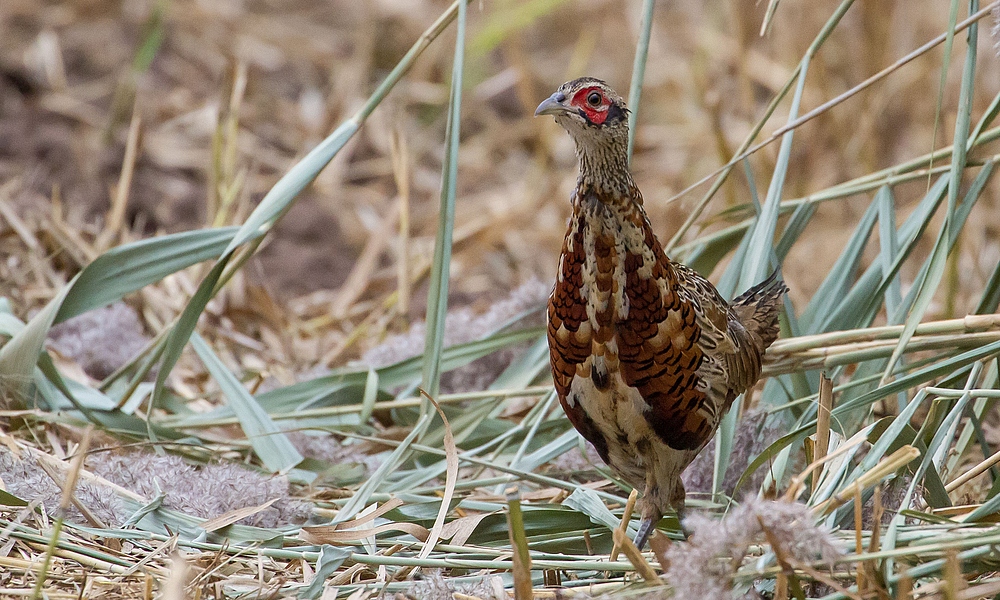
(725, 338)
(683, 349)
(569, 333)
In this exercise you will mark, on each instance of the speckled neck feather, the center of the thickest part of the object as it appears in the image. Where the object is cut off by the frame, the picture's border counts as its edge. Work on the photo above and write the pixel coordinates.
(602, 153)
(604, 166)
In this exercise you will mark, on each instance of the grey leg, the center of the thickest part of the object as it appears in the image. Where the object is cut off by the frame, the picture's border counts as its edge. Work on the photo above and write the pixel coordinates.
(646, 527)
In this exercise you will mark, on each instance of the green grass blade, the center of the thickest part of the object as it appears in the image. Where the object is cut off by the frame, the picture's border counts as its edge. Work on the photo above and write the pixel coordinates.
(268, 441)
(949, 44)
(370, 396)
(740, 153)
(936, 263)
(757, 265)
(346, 385)
(989, 115)
(330, 559)
(760, 253)
(109, 277)
(127, 268)
(793, 230)
(639, 71)
(704, 257)
(280, 198)
(737, 158)
(183, 328)
(888, 247)
(361, 497)
(991, 294)
(941, 439)
(590, 504)
(437, 302)
(727, 284)
(19, 355)
(890, 439)
(841, 276)
(949, 366)
(731, 276)
(861, 304)
(80, 396)
(437, 296)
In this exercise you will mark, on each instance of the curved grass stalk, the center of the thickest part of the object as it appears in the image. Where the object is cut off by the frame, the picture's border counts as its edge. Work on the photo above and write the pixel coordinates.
(639, 71)
(437, 298)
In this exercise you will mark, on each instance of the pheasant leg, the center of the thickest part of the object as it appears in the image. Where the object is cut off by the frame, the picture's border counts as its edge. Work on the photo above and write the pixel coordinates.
(646, 527)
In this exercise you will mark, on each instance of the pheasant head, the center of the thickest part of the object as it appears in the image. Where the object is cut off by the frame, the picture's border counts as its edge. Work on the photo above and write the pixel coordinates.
(597, 119)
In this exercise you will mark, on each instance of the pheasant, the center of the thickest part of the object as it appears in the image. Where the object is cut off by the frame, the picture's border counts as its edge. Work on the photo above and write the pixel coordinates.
(646, 355)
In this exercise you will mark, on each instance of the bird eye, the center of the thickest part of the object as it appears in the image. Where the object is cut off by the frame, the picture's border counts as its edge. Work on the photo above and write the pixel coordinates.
(594, 99)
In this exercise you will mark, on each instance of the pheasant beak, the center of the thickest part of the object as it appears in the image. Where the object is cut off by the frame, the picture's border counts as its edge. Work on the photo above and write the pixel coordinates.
(553, 105)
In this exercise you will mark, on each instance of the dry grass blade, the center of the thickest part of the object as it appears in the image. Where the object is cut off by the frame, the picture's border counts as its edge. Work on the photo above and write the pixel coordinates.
(227, 519)
(823, 417)
(967, 324)
(973, 18)
(360, 276)
(401, 167)
(860, 577)
(953, 583)
(795, 123)
(391, 504)
(521, 559)
(334, 534)
(119, 204)
(972, 473)
(890, 464)
(173, 587)
(847, 354)
(985, 590)
(65, 501)
(660, 544)
(633, 496)
(787, 569)
(451, 478)
(13, 220)
(59, 480)
(634, 556)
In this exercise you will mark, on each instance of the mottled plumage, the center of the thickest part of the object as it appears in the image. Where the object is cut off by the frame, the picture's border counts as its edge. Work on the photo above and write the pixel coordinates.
(646, 355)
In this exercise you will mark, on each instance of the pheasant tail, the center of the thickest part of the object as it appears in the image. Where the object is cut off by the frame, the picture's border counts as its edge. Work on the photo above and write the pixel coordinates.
(758, 308)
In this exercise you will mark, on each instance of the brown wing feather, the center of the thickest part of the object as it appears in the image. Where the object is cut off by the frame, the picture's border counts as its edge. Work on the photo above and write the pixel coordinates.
(569, 333)
(726, 339)
(680, 344)
(659, 350)
(686, 351)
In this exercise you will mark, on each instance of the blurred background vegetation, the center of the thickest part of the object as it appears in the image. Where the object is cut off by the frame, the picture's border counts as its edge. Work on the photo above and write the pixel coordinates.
(75, 74)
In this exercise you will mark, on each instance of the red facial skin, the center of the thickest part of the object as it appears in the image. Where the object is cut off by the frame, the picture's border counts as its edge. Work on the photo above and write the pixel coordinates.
(595, 114)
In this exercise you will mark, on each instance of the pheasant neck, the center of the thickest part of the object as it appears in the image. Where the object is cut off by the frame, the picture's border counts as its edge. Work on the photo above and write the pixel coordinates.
(604, 171)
